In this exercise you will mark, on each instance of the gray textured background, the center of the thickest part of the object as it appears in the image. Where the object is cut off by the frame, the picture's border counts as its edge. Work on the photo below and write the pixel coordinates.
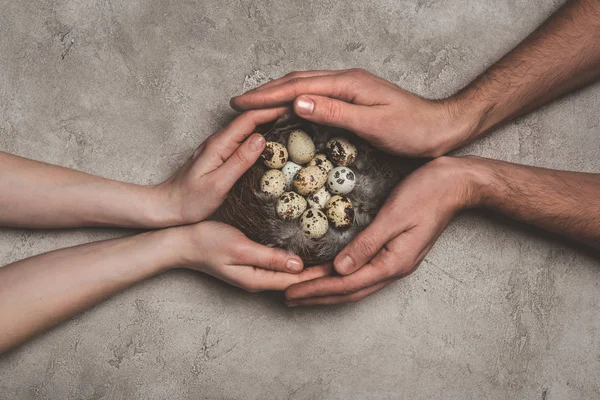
(126, 89)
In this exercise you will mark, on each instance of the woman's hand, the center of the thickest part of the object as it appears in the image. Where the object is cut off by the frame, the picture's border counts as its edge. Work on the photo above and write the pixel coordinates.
(199, 187)
(389, 117)
(224, 252)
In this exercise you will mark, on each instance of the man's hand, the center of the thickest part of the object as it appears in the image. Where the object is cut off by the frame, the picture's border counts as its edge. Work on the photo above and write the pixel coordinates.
(396, 242)
(199, 187)
(224, 252)
(379, 111)
(562, 55)
(421, 207)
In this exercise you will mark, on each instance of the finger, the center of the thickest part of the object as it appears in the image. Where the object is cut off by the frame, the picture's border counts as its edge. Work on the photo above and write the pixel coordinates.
(332, 112)
(248, 252)
(339, 86)
(367, 276)
(226, 175)
(227, 140)
(365, 245)
(349, 298)
(257, 279)
(296, 75)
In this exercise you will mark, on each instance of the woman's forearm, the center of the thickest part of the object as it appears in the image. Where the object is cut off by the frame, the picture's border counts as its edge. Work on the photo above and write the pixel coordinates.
(34, 194)
(562, 55)
(39, 195)
(41, 291)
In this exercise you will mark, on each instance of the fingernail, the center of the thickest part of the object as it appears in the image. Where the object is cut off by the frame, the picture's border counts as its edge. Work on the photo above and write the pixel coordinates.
(345, 265)
(305, 105)
(290, 304)
(257, 142)
(293, 265)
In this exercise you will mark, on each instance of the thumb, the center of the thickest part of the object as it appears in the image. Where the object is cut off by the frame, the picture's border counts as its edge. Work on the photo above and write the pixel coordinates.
(240, 161)
(328, 111)
(257, 255)
(362, 248)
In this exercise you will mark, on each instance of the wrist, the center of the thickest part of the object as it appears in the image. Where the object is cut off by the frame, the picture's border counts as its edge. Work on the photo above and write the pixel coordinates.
(173, 245)
(465, 120)
(480, 180)
(163, 207)
(468, 180)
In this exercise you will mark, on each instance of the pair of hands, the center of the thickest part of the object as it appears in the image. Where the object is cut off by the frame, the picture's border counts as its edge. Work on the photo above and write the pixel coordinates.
(400, 123)
(199, 187)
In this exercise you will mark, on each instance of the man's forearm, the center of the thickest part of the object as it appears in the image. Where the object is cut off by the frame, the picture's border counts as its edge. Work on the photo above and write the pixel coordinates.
(564, 202)
(562, 55)
(41, 291)
(39, 195)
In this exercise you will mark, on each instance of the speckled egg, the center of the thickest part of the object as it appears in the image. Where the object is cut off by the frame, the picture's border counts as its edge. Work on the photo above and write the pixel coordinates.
(272, 183)
(318, 199)
(314, 223)
(320, 160)
(341, 180)
(309, 179)
(289, 170)
(274, 155)
(340, 211)
(300, 147)
(341, 151)
(290, 206)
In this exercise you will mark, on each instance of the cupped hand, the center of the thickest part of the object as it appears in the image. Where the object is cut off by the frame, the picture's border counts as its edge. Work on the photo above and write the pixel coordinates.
(199, 187)
(389, 117)
(224, 252)
(395, 243)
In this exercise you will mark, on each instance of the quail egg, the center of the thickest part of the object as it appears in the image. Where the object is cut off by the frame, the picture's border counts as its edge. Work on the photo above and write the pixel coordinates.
(274, 155)
(341, 180)
(340, 211)
(341, 151)
(320, 160)
(289, 170)
(301, 147)
(272, 183)
(309, 179)
(290, 206)
(318, 199)
(314, 223)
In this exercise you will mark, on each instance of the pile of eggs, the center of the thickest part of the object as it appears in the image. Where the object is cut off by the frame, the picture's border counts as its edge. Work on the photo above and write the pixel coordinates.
(310, 187)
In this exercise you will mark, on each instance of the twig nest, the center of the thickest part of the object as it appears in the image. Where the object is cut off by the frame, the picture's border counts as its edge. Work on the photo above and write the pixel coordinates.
(341, 180)
(318, 199)
(275, 155)
(272, 183)
(320, 160)
(301, 147)
(314, 223)
(290, 206)
(340, 211)
(309, 179)
(341, 151)
(278, 222)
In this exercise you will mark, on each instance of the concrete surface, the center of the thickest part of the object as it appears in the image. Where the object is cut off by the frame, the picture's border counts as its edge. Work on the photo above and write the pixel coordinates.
(126, 89)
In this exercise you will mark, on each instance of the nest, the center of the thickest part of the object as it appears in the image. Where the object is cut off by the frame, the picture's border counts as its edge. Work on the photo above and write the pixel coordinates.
(254, 214)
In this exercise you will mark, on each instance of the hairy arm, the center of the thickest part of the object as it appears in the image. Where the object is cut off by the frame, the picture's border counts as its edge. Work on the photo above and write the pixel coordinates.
(560, 56)
(564, 202)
